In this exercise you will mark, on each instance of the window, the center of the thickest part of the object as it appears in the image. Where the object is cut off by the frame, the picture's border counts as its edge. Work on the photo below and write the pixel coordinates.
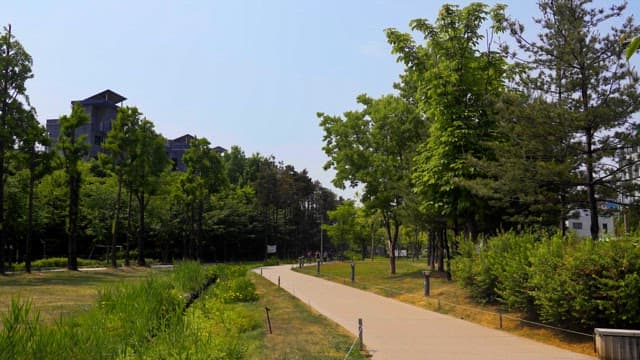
(576, 225)
(605, 228)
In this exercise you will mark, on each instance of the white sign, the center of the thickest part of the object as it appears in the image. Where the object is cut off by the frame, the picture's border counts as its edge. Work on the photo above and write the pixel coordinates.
(271, 249)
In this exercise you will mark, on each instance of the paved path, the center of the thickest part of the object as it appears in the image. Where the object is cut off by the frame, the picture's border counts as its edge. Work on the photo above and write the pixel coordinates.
(394, 330)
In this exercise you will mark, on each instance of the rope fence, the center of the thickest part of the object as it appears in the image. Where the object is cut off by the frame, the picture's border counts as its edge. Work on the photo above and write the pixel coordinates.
(439, 302)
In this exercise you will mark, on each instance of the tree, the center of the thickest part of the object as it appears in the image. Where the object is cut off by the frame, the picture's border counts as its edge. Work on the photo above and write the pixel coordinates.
(119, 149)
(375, 147)
(15, 70)
(148, 161)
(73, 149)
(37, 161)
(580, 68)
(205, 176)
(456, 87)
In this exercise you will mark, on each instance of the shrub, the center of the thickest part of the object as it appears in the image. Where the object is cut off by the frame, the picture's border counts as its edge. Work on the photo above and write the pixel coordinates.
(189, 275)
(237, 289)
(271, 261)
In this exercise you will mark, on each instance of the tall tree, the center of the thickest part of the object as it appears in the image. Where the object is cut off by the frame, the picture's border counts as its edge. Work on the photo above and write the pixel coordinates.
(375, 147)
(15, 70)
(582, 68)
(32, 142)
(456, 86)
(73, 149)
(149, 160)
(205, 176)
(119, 149)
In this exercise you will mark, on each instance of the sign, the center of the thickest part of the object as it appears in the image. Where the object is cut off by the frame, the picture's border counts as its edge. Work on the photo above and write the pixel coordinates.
(271, 249)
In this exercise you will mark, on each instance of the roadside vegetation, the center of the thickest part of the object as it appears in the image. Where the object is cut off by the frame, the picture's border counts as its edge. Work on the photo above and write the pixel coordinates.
(139, 313)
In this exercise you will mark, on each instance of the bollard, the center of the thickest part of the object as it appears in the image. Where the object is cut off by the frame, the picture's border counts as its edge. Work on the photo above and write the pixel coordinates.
(353, 271)
(266, 309)
(278, 281)
(360, 334)
(427, 288)
(318, 267)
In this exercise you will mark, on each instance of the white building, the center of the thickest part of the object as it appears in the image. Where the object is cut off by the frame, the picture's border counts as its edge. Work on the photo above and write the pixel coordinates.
(580, 222)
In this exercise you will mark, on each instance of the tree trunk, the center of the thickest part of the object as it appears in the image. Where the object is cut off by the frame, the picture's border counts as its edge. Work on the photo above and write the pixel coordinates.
(128, 238)
(116, 222)
(3, 231)
(591, 188)
(141, 261)
(74, 200)
(27, 251)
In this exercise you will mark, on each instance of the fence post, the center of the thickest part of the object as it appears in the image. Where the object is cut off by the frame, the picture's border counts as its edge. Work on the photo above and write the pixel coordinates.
(353, 271)
(318, 267)
(266, 309)
(500, 318)
(278, 281)
(260, 271)
(427, 289)
(360, 334)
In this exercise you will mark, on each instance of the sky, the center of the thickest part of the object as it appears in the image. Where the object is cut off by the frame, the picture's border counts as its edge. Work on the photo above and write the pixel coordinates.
(246, 73)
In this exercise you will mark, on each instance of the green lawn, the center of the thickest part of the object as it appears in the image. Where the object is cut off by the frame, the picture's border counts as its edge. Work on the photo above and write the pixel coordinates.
(407, 285)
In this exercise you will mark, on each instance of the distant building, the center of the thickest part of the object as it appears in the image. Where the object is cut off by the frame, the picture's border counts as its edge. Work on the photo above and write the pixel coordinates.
(580, 222)
(102, 109)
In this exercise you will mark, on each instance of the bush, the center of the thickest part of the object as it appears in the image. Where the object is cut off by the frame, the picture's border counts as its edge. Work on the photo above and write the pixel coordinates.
(238, 289)
(189, 275)
(271, 261)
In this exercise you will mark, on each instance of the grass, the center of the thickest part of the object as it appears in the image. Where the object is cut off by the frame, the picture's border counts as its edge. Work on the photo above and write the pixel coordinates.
(58, 293)
(298, 331)
(407, 285)
(211, 329)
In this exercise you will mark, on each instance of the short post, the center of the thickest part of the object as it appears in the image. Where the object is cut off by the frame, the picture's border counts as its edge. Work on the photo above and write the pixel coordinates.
(260, 271)
(360, 334)
(318, 267)
(353, 271)
(500, 318)
(427, 287)
(266, 309)
(278, 281)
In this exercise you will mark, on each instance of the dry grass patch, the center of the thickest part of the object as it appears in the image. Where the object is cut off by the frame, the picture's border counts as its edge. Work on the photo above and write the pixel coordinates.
(298, 331)
(58, 293)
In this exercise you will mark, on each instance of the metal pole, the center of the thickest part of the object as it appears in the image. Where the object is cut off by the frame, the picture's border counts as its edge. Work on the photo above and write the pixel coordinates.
(321, 240)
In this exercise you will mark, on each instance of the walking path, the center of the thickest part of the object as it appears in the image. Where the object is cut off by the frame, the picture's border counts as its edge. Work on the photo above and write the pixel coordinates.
(394, 330)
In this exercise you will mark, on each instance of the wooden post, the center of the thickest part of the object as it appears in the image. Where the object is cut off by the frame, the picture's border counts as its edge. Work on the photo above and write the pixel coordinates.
(427, 285)
(353, 271)
(266, 309)
(278, 281)
(500, 318)
(318, 267)
(360, 334)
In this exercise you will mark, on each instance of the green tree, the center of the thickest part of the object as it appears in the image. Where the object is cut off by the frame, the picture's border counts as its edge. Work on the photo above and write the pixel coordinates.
(375, 147)
(205, 176)
(581, 68)
(15, 70)
(148, 161)
(73, 149)
(119, 148)
(456, 87)
(37, 161)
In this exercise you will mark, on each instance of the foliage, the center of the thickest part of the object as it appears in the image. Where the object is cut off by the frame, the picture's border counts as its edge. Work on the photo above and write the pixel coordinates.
(563, 281)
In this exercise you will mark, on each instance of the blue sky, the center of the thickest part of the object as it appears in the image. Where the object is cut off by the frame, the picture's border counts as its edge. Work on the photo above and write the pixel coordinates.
(247, 73)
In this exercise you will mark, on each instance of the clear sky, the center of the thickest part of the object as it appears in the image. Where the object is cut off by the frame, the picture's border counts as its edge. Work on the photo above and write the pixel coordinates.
(247, 73)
